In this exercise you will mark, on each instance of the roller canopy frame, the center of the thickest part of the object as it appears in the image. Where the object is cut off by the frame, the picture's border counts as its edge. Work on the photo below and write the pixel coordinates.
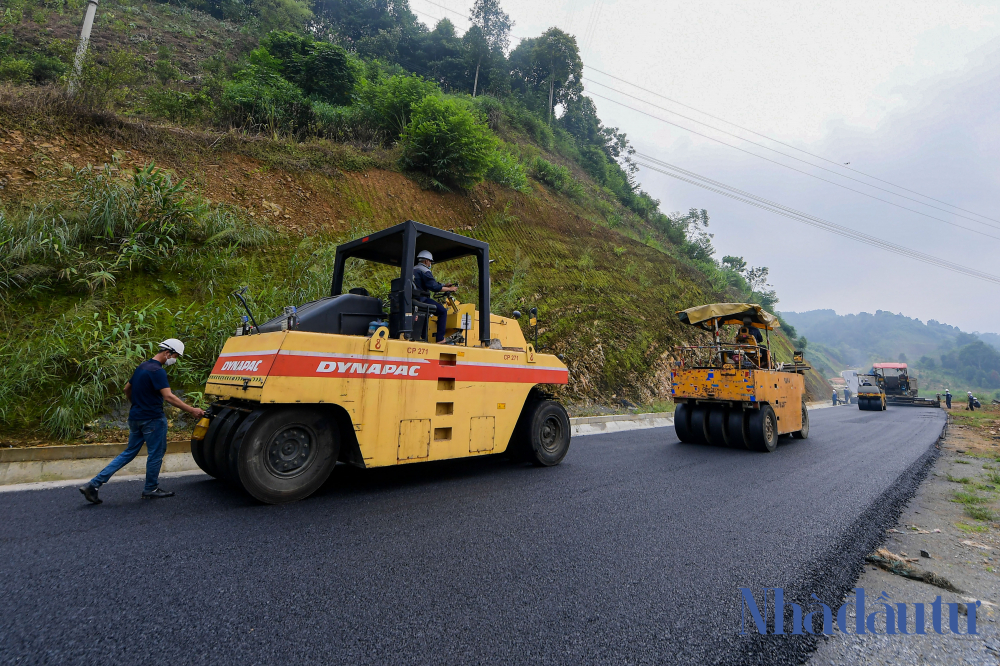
(704, 316)
(399, 245)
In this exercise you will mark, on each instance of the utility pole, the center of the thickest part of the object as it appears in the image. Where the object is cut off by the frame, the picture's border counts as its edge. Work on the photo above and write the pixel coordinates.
(81, 49)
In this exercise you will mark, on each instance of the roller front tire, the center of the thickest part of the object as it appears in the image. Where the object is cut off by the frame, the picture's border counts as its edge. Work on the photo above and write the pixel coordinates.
(762, 426)
(287, 453)
(804, 432)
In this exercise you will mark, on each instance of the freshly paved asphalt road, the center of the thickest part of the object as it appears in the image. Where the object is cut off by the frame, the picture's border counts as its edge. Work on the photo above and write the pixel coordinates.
(631, 551)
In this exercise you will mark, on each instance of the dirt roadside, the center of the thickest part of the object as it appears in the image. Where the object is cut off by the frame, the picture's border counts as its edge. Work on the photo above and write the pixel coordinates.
(949, 529)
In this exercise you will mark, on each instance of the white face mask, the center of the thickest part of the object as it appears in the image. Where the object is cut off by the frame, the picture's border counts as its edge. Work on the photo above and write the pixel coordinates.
(170, 361)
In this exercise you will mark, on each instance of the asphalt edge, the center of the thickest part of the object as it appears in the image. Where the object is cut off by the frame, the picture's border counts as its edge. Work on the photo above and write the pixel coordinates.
(828, 577)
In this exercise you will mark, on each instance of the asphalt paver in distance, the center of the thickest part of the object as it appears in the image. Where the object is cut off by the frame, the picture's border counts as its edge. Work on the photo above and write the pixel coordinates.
(632, 550)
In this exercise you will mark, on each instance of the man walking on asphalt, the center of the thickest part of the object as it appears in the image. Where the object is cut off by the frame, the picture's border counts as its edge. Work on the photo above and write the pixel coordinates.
(947, 397)
(834, 397)
(147, 423)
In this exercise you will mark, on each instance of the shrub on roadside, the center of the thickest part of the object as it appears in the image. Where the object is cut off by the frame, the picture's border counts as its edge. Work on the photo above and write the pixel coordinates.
(446, 141)
(107, 83)
(555, 176)
(259, 97)
(322, 70)
(16, 71)
(179, 106)
(506, 170)
(388, 103)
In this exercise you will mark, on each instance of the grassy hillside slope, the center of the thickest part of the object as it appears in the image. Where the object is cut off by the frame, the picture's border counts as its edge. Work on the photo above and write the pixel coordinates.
(203, 154)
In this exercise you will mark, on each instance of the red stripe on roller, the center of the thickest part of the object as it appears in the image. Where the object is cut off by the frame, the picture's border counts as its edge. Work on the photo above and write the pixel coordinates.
(255, 365)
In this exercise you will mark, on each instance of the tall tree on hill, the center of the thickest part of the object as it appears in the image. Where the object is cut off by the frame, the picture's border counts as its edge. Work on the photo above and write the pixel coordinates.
(372, 28)
(441, 54)
(489, 34)
(551, 61)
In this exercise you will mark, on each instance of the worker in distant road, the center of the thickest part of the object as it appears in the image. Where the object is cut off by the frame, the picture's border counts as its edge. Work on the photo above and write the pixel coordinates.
(147, 423)
(847, 396)
(947, 397)
(834, 397)
(972, 402)
(424, 280)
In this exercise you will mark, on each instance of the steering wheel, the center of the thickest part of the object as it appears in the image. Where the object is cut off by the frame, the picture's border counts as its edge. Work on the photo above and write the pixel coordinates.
(443, 297)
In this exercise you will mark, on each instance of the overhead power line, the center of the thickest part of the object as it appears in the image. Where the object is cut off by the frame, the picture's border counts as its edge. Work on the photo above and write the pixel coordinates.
(798, 159)
(455, 12)
(811, 175)
(743, 196)
(778, 141)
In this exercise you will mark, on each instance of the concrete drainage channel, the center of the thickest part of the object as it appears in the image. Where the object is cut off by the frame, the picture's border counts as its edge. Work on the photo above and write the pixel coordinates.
(48, 466)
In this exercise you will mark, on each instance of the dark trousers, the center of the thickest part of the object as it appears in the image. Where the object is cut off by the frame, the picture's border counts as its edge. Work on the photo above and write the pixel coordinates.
(154, 433)
(948, 401)
(972, 405)
(442, 315)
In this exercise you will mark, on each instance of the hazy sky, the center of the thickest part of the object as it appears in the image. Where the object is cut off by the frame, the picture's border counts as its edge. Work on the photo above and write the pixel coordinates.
(904, 91)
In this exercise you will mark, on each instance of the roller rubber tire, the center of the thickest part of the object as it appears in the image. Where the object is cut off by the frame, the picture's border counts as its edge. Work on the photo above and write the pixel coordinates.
(287, 453)
(546, 434)
(762, 426)
(699, 424)
(217, 455)
(738, 429)
(804, 433)
(718, 427)
(198, 449)
(682, 423)
(232, 471)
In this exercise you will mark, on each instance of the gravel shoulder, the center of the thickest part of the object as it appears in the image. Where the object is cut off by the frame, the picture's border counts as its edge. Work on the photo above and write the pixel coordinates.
(953, 519)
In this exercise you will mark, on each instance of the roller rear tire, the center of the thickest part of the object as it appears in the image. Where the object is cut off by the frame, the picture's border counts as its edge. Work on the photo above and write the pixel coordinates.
(738, 438)
(718, 426)
(287, 453)
(682, 423)
(762, 426)
(699, 425)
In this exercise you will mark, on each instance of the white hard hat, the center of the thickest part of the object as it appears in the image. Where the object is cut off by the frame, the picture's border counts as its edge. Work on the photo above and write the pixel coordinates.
(173, 345)
(424, 254)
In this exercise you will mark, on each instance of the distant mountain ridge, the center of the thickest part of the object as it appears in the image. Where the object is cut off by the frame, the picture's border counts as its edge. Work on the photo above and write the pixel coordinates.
(942, 354)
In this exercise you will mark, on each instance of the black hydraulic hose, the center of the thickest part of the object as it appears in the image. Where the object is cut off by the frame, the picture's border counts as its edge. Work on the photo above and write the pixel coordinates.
(239, 296)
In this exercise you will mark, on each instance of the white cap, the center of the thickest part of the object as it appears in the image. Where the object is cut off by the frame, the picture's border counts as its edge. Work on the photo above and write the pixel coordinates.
(424, 254)
(173, 345)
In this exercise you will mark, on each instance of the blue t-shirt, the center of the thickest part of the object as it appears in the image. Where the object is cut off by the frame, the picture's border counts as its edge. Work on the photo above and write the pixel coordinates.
(147, 381)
